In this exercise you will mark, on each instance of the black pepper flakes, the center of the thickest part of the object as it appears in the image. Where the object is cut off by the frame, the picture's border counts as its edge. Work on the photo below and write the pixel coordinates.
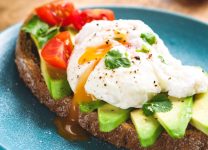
(116, 82)
(107, 42)
(169, 78)
(105, 84)
(137, 57)
(135, 71)
(149, 56)
(134, 28)
(100, 77)
(97, 24)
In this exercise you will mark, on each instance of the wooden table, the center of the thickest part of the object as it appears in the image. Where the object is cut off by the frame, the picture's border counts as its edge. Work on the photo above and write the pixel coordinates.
(13, 11)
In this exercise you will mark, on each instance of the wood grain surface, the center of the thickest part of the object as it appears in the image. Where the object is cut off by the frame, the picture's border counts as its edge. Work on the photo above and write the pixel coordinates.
(13, 11)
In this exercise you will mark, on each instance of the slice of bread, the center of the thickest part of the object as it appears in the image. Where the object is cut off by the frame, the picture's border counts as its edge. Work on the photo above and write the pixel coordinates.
(28, 65)
(125, 135)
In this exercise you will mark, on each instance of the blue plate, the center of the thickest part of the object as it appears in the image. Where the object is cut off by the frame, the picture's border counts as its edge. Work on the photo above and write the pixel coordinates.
(26, 124)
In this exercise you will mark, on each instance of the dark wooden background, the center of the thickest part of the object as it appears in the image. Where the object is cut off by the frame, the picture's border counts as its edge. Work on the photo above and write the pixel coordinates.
(13, 11)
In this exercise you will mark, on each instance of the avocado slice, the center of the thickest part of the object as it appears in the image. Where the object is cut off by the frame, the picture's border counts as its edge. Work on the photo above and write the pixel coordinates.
(148, 128)
(176, 120)
(91, 106)
(56, 79)
(110, 117)
(200, 110)
(57, 84)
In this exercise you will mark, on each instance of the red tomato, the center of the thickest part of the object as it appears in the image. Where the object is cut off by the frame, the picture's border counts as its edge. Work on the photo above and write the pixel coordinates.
(57, 51)
(77, 19)
(56, 13)
(98, 14)
(80, 18)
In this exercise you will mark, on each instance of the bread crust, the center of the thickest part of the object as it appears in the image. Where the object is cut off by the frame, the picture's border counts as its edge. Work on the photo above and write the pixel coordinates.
(124, 136)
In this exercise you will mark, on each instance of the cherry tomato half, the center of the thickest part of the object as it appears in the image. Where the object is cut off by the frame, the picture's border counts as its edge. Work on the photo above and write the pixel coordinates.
(56, 13)
(57, 51)
(98, 14)
(80, 18)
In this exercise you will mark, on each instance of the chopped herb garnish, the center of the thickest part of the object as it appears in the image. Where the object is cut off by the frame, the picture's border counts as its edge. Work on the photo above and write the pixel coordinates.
(91, 106)
(40, 31)
(161, 59)
(149, 38)
(114, 59)
(144, 49)
(159, 103)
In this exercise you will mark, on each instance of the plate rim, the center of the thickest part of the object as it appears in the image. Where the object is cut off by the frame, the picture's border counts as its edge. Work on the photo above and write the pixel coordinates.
(150, 9)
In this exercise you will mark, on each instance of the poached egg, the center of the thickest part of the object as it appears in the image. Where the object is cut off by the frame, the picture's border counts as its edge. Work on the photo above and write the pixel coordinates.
(149, 73)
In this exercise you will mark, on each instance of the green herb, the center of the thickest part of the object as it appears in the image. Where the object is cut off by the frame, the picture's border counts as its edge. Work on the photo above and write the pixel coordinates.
(159, 103)
(91, 106)
(114, 59)
(40, 31)
(144, 49)
(149, 38)
(161, 59)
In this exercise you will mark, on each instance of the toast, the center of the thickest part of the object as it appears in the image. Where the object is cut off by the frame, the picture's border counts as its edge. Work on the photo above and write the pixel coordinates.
(27, 61)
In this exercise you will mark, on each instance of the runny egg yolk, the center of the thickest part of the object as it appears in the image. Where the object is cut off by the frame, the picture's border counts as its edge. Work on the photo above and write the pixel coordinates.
(94, 53)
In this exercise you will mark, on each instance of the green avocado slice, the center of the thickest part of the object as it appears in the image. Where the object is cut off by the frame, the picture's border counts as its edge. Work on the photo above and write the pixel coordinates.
(58, 86)
(110, 117)
(91, 106)
(148, 128)
(200, 110)
(176, 120)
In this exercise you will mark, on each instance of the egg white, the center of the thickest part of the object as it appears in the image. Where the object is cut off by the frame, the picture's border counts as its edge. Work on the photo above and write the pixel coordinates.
(133, 86)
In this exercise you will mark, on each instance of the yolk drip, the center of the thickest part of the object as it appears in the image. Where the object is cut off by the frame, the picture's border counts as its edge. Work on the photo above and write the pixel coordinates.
(69, 127)
(80, 95)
